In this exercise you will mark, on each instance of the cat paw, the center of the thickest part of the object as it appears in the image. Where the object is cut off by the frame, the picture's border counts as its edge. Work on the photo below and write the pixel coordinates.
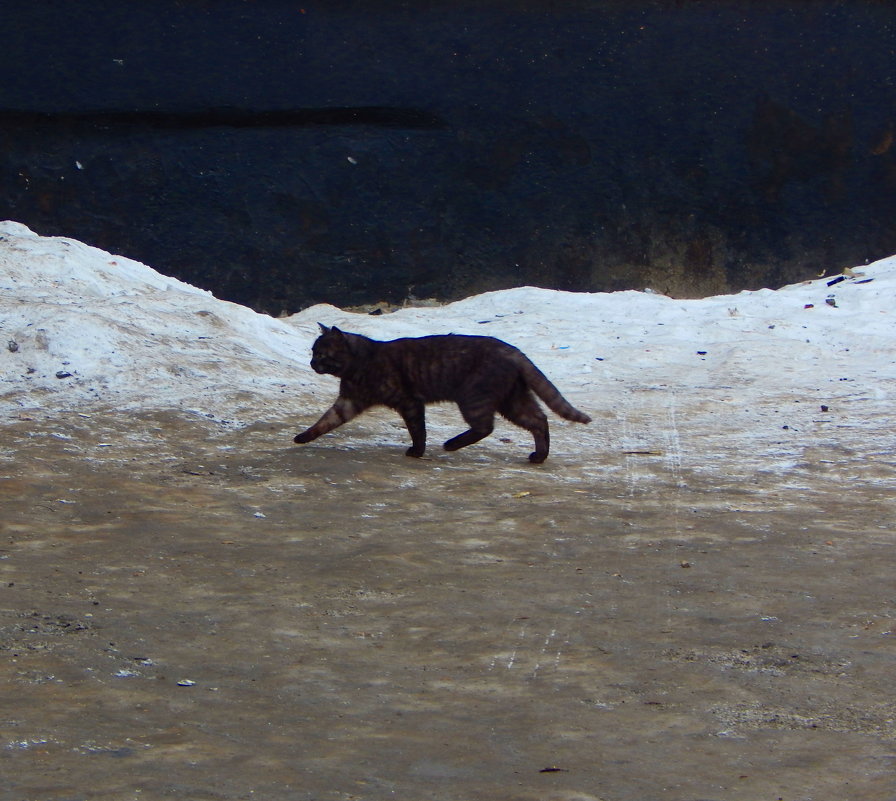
(302, 438)
(414, 451)
(537, 458)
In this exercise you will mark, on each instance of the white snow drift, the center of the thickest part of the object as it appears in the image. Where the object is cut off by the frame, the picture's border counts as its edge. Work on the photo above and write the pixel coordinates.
(81, 329)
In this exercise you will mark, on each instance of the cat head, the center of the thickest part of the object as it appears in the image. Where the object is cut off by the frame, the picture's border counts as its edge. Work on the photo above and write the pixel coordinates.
(331, 352)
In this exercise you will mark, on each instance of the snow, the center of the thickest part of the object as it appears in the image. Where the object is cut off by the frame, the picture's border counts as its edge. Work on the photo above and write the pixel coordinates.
(82, 329)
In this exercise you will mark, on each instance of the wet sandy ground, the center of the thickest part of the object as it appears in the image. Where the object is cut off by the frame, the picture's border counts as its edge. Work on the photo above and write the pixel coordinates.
(195, 611)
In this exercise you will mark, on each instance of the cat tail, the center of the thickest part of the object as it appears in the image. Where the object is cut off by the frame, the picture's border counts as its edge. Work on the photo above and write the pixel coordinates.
(539, 383)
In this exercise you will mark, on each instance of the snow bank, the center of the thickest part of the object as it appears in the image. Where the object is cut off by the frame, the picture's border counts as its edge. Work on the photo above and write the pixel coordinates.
(80, 328)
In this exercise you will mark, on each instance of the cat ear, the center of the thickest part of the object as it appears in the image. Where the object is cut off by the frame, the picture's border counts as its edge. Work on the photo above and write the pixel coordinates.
(323, 328)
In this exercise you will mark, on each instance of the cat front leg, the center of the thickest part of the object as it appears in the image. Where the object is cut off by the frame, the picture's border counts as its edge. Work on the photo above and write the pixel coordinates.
(340, 412)
(414, 416)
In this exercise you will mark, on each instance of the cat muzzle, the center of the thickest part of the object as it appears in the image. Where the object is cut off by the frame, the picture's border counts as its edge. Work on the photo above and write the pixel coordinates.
(325, 366)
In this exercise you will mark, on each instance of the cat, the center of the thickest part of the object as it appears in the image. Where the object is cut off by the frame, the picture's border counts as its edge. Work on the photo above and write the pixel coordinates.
(482, 375)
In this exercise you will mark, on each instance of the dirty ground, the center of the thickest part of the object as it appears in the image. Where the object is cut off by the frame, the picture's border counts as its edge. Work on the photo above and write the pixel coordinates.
(196, 610)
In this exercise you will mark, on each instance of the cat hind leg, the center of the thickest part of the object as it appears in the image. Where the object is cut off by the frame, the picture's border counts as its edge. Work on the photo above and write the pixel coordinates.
(481, 420)
(523, 410)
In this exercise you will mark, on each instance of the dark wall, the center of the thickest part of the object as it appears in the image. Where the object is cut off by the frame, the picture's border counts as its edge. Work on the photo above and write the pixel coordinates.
(282, 153)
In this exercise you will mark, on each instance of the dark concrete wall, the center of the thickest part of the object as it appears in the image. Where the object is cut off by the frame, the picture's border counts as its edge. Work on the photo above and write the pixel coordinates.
(283, 153)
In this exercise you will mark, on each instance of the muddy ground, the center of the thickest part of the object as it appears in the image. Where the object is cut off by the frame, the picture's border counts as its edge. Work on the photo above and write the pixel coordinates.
(196, 610)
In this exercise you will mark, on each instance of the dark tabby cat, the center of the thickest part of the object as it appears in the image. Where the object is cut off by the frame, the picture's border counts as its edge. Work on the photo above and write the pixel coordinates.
(482, 375)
